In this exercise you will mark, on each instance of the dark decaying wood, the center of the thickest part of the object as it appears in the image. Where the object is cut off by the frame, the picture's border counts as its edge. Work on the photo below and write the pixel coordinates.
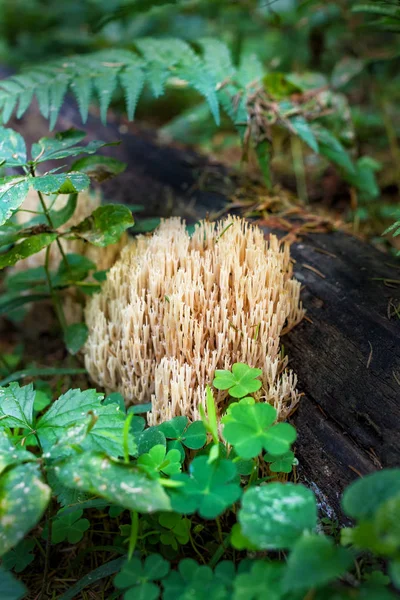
(346, 354)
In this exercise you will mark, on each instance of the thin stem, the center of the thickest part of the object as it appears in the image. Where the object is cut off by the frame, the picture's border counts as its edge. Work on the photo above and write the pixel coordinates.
(55, 297)
(47, 550)
(134, 533)
(298, 164)
(50, 222)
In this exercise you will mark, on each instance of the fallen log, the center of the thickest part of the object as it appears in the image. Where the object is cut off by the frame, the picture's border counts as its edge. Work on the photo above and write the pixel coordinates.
(346, 352)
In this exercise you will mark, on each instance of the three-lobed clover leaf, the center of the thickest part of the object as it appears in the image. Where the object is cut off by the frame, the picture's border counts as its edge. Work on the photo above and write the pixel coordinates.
(242, 380)
(282, 463)
(176, 529)
(69, 527)
(19, 557)
(180, 433)
(157, 460)
(250, 429)
(138, 578)
(264, 580)
(192, 580)
(209, 488)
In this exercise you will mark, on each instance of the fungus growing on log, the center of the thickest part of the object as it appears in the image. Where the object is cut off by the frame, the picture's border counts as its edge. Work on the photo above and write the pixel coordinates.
(176, 307)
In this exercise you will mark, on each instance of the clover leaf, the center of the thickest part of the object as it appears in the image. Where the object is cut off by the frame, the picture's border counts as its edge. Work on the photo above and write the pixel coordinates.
(240, 382)
(193, 581)
(180, 434)
(158, 460)
(176, 530)
(250, 428)
(20, 557)
(137, 578)
(210, 488)
(282, 463)
(263, 581)
(69, 527)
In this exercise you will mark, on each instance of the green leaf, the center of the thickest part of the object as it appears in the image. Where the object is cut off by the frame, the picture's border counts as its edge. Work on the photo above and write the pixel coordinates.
(158, 460)
(116, 482)
(26, 248)
(249, 428)
(77, 268)
(330, 147)
(148, 438)
(11, 455)
(304, 131)
(75, 337)
(64, 144)
(132, 81)
(11, 588)
(282, 463)
(20, 557)
(105, 85)
(193, 581)
(55, 147)
(208, 488)
(264, 580)
(278, 86)
(92, 425)
(314, 562)
(193, 436)
(83, 89)
(345, 70)
(60, 217)
(69, 527)
(12, 148)
(13, 191)
(61, 183)
(364, 496)
(105, 570)
(263, 152)
(105, 225)
(240, 541)
(274, 516)
(137, 578)
(240, 382)
(99, 168)
(23, 500)
(49, 372)
(16, 406)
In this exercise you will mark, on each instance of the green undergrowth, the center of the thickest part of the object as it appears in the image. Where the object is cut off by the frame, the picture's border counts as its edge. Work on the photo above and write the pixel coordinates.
(179, 510)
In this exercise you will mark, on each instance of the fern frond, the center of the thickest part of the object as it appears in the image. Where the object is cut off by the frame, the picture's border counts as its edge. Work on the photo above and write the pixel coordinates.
(155, 62)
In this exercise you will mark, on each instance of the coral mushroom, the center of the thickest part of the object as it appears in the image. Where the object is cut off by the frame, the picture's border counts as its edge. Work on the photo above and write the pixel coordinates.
(177, 307)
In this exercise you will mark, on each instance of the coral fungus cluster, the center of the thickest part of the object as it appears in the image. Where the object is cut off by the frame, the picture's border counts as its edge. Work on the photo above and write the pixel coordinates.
(176, 307)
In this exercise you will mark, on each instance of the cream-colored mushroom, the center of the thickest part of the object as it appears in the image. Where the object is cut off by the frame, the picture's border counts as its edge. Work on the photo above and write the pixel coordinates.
(177, 307)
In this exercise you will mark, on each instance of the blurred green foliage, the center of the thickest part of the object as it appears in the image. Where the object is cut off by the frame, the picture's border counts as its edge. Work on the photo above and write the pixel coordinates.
(344, 54)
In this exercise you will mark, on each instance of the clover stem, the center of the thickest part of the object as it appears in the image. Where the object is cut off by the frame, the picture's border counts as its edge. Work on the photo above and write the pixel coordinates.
(134, 533)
